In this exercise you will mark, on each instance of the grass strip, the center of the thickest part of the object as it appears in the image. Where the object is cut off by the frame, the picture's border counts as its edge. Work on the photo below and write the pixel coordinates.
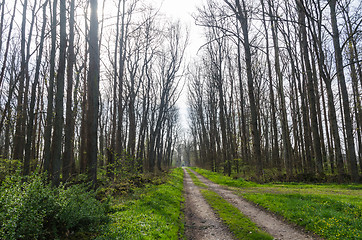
(241, 226)
(332, 211)
(325, 216)
(195, 179)
(156, 214)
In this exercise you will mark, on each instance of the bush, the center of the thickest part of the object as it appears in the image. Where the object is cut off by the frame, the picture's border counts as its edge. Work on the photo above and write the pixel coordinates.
(33, 209)
(8, 167)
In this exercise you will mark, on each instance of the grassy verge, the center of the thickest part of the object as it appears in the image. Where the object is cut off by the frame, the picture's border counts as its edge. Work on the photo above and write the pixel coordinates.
(156, 214)
(224, 180)
(323, 215)
(196, 180)
(330, 210)
(239, 225)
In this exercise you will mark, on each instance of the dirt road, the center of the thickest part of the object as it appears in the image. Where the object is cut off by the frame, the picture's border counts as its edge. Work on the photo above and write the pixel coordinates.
(202, 223)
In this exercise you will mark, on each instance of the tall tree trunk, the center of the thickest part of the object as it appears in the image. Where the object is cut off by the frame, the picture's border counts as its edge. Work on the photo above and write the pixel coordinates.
(59, 109)
(122, 47)
(30, 136)
(284, 121)
(93, 96)
(68, 156)
(355, 67)
(3, 67)
(323, 71)
(243, 129)
(340, 76)
(310, 87)
(19, 137)
(274, 130)
(49, 118)
(240, 11)
(111, 151)
(2, 7)
(83, 128)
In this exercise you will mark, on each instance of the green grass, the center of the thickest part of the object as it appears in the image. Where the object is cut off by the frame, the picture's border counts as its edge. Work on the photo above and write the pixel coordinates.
(224, 180)
(239, 225)
(326, 216)
(156, 214)
(332, 211)
(321, 186)
(195, 179)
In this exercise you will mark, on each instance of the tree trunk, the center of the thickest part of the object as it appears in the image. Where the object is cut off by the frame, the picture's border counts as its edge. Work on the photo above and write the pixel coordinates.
(30, 135)
(3, 68)
(19, 137)
(274, 130)
(59, 109)
(240, 12)
(49, 118)
(68, 157)
(284, 121)
(340, 76)
(93, 96)
(310, 87)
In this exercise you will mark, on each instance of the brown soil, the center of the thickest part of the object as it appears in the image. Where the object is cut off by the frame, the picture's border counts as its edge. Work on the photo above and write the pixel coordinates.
(268, 222)
(201, 221)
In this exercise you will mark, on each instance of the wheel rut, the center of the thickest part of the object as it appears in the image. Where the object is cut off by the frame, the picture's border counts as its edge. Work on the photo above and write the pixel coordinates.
(201, 221)
(263, 219)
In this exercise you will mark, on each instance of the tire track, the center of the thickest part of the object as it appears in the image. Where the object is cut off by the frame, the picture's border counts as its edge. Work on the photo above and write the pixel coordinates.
(266, 221)
(201, 221)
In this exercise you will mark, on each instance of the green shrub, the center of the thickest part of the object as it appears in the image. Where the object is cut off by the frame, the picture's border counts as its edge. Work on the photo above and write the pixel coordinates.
(33, 209)
(8, 167)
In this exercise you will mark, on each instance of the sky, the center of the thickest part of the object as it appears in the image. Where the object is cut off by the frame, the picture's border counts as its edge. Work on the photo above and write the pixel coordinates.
(183, 10)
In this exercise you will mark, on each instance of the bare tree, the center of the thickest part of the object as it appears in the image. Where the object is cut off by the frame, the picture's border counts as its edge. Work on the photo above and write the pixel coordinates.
(93, 94)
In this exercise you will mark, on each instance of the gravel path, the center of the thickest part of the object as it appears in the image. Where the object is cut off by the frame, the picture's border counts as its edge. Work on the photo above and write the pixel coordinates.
(266, 221)
(201, 221)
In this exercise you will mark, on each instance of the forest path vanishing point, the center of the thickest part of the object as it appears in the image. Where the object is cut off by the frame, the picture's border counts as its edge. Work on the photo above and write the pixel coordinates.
(202, 223)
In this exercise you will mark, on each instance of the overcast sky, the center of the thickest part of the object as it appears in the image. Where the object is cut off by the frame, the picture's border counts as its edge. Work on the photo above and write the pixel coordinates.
(183, 10)
(176, 10)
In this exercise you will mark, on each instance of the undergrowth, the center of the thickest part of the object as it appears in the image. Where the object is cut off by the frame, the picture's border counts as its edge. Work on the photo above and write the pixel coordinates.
(33, 209)
(154, 214)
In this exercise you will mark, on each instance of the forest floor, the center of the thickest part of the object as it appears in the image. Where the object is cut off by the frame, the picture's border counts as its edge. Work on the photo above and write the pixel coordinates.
(203, 223)
(195, 204)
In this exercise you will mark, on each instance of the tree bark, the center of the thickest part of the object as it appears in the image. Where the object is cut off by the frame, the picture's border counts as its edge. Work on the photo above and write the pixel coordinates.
(68, 156)
(59, 109)
(49, 119)
(29, 137)
(240, 11)
(19, 138)
(310, 88)
(93, 96)
(351, 156)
